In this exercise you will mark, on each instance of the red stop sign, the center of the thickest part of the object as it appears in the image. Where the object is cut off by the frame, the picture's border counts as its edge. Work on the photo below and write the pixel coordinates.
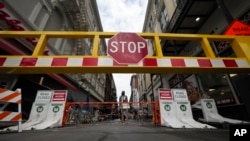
(127, 48)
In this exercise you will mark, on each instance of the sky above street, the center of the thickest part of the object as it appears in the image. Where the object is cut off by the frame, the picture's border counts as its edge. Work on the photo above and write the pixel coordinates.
(122, 16)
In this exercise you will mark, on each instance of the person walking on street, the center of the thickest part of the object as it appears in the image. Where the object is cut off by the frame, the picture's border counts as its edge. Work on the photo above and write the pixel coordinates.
(124, 106)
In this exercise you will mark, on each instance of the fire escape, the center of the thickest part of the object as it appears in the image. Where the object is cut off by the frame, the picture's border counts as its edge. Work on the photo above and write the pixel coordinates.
(77, 12)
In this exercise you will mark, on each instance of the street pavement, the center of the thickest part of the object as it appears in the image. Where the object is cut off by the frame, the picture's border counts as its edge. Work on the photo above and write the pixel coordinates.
(115, 130)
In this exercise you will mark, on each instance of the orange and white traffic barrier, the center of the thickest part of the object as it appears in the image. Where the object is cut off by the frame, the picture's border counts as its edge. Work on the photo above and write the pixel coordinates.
(11, 97)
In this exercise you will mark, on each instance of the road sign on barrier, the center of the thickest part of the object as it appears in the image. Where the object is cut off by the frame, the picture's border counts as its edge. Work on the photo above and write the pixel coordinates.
(165, 94)
(127, 48)
(59, 96)
(180, 94)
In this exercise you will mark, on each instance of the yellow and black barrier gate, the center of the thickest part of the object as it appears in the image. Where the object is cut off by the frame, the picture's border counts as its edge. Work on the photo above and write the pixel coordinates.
(37, 62)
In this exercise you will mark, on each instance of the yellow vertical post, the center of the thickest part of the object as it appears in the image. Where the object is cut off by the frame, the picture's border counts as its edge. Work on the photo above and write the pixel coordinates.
(39, 49)
(158, 49)
(241, 47)
(95, 45)
(207, 48)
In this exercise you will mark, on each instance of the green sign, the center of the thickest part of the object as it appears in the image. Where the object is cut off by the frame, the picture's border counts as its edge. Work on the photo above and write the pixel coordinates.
(183, 107)
(39, 109)
(208, 100)
(166, 102)
(182, 102)
(167, 107)
(209, 105)
(56, 109)
(56, 104)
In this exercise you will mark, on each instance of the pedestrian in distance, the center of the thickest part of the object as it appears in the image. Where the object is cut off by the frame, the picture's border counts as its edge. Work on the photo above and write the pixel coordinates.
(123, 106)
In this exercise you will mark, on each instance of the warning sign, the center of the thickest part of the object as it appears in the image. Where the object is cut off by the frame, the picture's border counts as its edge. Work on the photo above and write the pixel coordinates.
(165, 94)
(238, 28)
(180, 94)
(59, 95)
(43, 96)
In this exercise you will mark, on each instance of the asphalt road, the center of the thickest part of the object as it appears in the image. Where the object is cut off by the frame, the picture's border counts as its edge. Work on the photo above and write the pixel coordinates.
(130, 131)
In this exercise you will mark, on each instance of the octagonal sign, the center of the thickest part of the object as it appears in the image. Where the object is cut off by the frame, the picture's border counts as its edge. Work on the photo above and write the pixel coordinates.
(127, 48)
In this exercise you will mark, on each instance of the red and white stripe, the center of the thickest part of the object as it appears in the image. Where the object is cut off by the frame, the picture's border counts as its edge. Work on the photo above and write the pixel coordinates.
(10, 96)
(13, 97)
(10, 116)
(109, 62)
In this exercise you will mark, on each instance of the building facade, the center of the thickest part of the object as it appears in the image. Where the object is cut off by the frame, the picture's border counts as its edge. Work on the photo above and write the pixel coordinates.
(157, 18)
(134, 96)
(110, 89)
(54, 15)
(198, 17)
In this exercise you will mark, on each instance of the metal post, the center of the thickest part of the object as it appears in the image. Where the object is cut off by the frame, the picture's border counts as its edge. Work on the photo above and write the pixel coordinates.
(20, 120)
(152, 88)
(19, 111)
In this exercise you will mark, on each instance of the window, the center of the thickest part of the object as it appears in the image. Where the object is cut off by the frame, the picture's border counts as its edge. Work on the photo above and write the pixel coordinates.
(164, 18)
(165, 13)
(48, 5)
(94, 25)
(223, 49)
(217, 87)
(40, 14)
(156, 2)
(150, 24)
(175, 2)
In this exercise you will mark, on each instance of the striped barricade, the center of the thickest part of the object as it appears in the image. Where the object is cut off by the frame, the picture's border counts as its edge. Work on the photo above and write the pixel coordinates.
(11, 97)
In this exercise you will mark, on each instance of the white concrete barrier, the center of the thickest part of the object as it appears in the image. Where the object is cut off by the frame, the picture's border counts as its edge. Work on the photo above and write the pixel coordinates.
(55, 111)
(168, 110)
(211, 114)
(185, 116)
(169, 116)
